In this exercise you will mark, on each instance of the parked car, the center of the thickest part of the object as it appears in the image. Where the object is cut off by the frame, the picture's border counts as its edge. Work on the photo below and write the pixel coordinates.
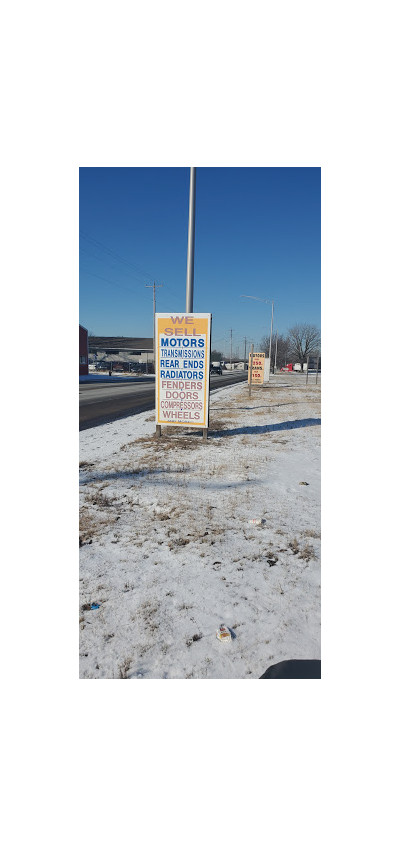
(138, 368)
(215, 370)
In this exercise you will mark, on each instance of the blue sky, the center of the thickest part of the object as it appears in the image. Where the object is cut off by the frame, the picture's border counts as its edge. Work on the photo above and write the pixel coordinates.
(258, 232)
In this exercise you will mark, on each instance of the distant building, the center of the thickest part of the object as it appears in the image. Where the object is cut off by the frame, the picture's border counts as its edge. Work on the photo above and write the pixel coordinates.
(83, 351)
(120, 353)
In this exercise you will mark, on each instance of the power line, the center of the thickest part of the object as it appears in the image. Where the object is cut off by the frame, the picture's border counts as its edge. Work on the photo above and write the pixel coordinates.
(115, 255)
(172, 294)
(114, 284)
(138, 271)
(121, 270)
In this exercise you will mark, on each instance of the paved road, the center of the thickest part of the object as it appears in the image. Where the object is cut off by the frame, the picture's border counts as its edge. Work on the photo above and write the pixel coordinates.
(103, 402)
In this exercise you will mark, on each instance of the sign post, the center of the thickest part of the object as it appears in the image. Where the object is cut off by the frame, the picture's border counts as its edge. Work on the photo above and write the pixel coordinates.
(250, 377)
(183, 344)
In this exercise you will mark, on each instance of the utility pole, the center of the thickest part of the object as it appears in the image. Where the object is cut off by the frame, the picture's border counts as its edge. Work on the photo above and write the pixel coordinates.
(249, 297)
(190, 250)
(231, 349)
(154, 286)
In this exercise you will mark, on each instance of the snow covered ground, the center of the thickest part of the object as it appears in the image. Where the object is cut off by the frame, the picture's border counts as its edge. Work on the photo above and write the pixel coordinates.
(167, 549)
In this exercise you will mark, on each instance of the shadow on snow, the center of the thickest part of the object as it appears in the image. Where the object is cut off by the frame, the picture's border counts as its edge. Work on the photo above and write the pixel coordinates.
(264, 430)
(144, 474)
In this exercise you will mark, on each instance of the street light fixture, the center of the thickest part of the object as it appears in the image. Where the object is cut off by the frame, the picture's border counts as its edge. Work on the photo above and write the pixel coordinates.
(272, 319)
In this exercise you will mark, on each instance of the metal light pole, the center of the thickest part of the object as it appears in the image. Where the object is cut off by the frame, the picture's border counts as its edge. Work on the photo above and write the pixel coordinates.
(190, 250)
(270, 337)
(272, 319)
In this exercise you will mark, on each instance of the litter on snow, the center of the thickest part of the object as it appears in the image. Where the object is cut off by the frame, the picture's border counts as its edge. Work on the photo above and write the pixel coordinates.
(223, 633)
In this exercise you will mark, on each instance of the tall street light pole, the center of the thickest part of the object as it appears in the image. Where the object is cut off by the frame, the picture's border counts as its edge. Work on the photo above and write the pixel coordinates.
(270, 336)
(190, 250)
(272, 320)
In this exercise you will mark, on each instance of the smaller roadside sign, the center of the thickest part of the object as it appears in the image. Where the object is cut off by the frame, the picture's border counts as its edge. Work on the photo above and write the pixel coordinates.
(257, 376)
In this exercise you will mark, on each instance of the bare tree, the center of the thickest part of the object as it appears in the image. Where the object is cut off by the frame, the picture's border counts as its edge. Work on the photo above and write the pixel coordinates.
(282, 350)
(303, 340)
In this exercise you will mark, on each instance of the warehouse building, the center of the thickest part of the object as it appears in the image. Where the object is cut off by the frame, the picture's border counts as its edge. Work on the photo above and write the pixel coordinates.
(120, 354)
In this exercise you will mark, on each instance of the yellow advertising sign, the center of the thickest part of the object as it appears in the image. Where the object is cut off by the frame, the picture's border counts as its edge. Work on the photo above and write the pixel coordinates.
(182, 369)
(258, 368)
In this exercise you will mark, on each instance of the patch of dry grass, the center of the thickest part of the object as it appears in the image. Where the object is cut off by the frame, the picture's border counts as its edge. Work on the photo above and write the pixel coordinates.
(176, 542)
(306, 552)
(99, 499)
(123, 669)
(169, 441)
(148, 611)
(92, 525)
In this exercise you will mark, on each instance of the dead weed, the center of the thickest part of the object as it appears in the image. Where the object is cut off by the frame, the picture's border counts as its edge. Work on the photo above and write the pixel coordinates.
(124, 668)
(306, 553)
(102, 501)
(91, 525)
(169, 441)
